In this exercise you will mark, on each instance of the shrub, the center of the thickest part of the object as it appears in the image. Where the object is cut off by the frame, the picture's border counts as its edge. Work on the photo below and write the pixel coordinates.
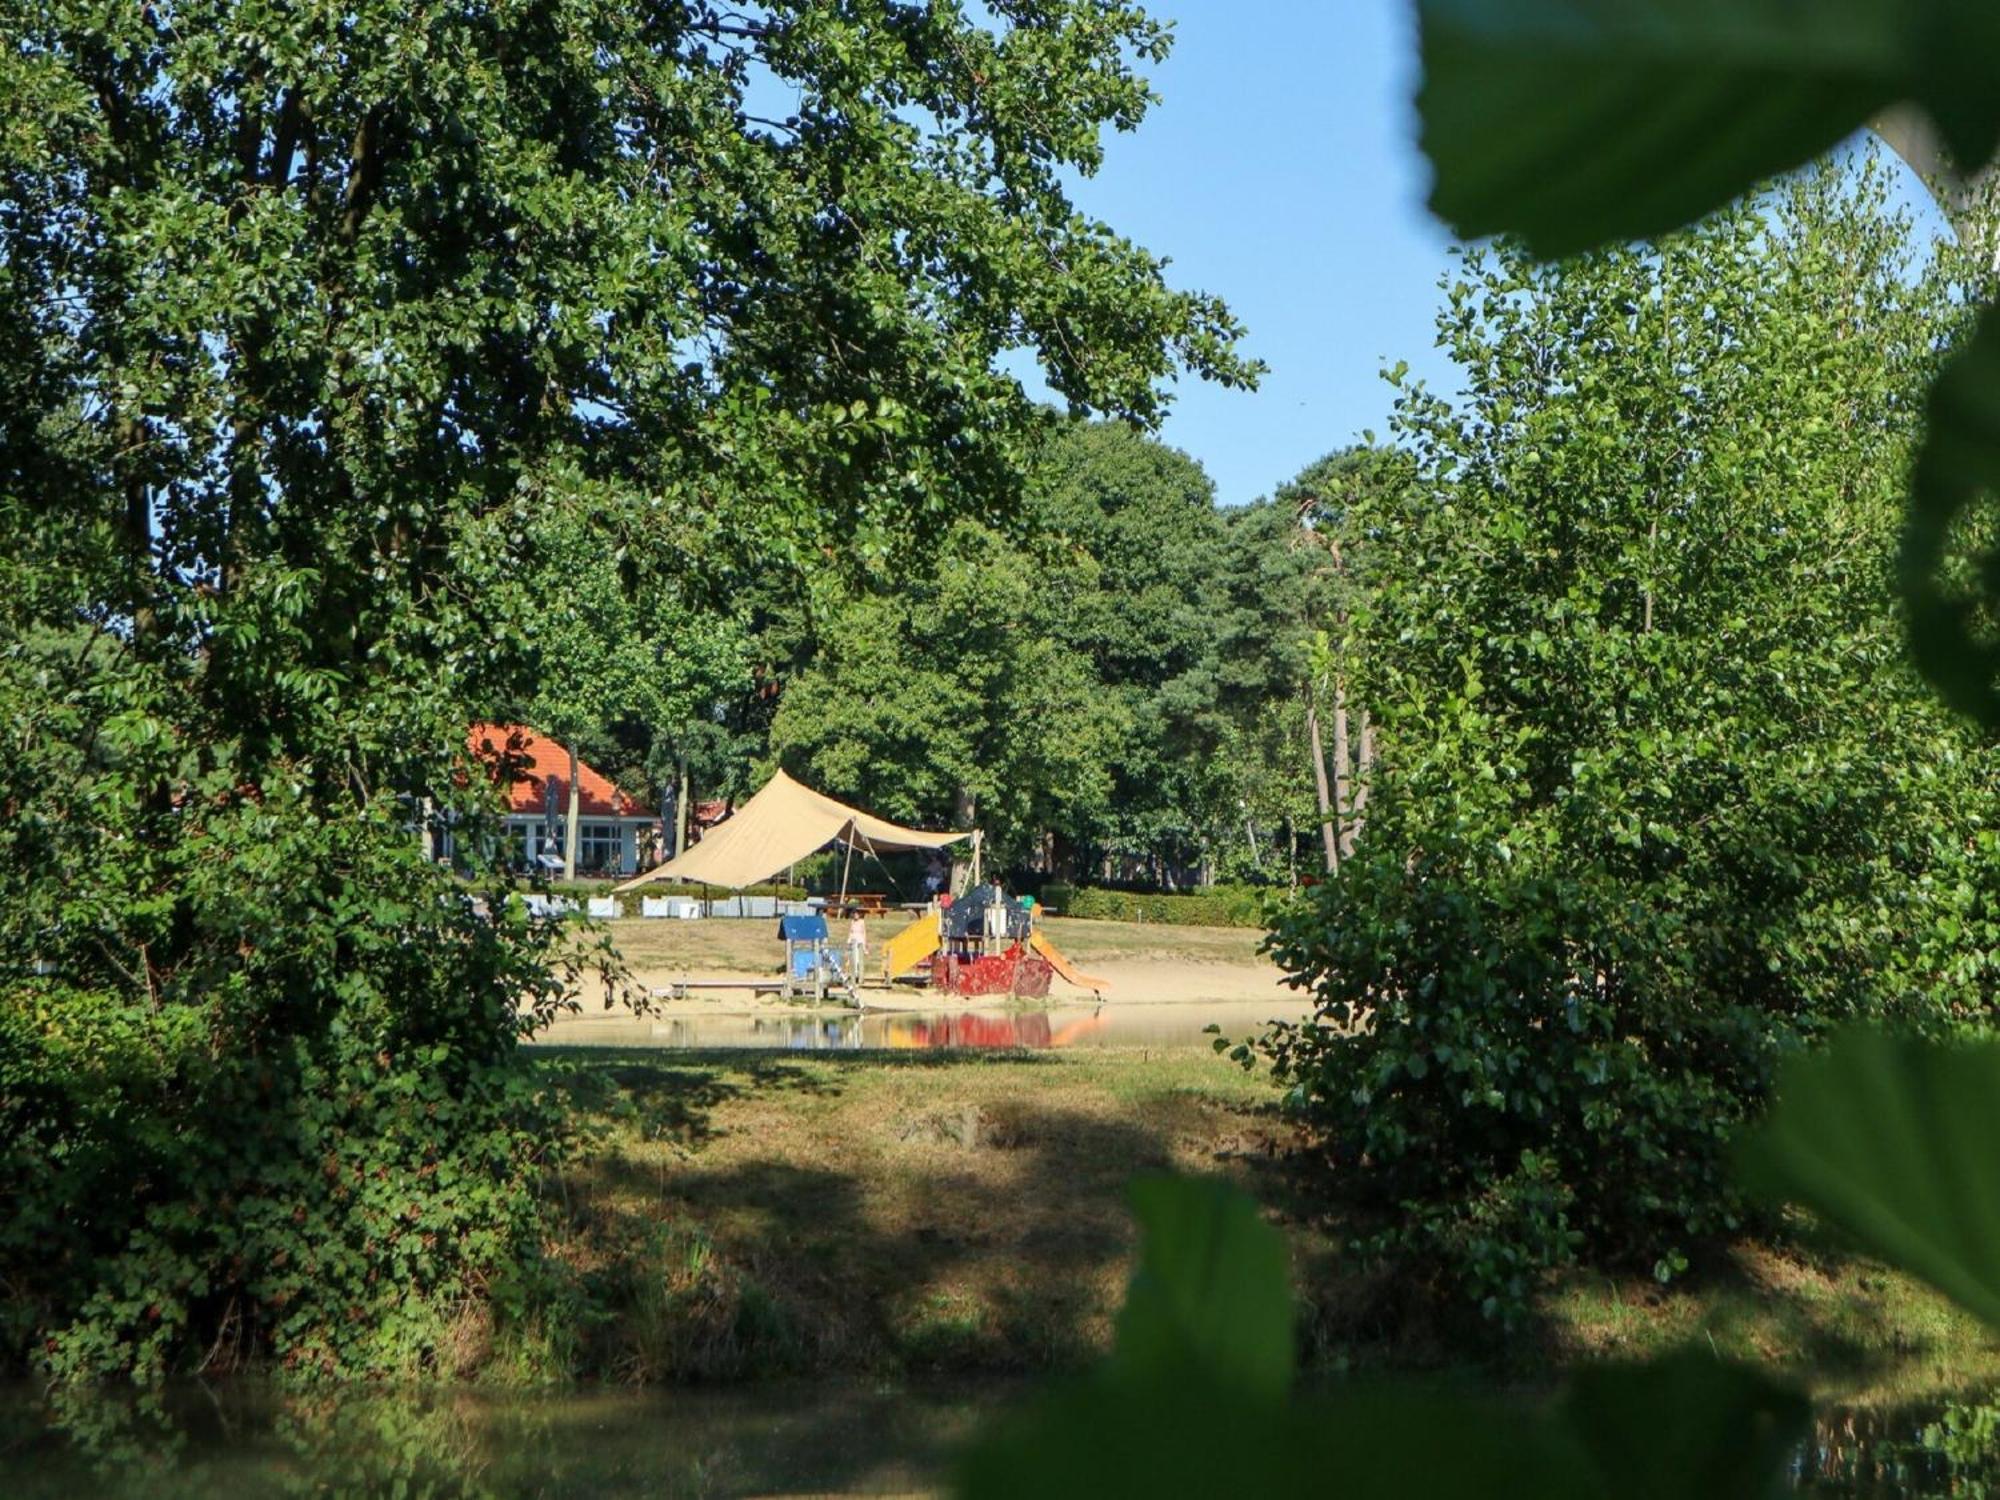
(1216, 906)
(330, 1204)
(778, 890)
(1658, 800)
(584, 889)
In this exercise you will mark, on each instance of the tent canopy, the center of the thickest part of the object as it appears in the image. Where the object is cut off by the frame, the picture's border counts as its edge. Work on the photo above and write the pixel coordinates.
(777, 828)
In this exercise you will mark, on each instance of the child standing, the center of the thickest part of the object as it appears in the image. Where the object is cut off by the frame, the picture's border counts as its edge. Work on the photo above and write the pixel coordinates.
(857, 944)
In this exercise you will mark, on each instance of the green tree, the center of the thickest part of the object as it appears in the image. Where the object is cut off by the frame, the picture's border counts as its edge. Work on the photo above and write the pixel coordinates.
(1085, 675)
(313, 314)
(1145, 618)
(1294, 571)
(1658, 799)
(604, 653)
(940, 696)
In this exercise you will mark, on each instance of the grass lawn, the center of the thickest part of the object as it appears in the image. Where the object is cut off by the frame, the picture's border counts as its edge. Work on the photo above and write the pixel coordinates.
(730, 945)
(873, 1213)
(884, 1212)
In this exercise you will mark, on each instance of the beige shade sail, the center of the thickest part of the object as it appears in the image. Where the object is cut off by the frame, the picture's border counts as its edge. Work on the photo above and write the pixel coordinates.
(776, 829)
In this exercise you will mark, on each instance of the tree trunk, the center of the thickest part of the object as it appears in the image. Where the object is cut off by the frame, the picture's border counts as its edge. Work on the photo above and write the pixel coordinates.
(1652, 544)
(964, 811)
(682, 813)
(570, 822)
(1364, 763)
(1319, 783)
(1343, 771)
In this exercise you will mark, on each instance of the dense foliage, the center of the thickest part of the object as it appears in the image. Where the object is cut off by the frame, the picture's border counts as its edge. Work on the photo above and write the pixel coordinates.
(1214, 906)
(1111, 679)
(319, 318)
(1659, 798)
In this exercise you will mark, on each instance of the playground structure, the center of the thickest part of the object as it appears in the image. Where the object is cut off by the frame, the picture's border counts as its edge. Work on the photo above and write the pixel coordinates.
(814, 968)
(982, 944)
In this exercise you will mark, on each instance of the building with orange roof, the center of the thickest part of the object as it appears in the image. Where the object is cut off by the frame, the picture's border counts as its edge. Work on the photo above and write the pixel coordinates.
(611, 826)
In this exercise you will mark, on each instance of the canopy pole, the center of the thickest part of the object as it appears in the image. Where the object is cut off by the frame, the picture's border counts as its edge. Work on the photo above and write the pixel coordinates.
(976, 841)
(846, 865)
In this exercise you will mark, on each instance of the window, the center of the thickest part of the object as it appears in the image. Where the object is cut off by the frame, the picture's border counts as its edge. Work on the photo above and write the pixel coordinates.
(601, 847)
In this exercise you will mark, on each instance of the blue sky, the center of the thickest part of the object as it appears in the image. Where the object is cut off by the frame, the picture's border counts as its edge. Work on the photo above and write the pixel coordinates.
(1280, 171)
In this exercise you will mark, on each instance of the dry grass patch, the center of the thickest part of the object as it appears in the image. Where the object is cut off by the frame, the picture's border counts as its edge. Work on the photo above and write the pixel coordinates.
(732, 945)
(1850, 1329)
(1085, 940)
(724, 945)
(883, 1213)
(876, 1212)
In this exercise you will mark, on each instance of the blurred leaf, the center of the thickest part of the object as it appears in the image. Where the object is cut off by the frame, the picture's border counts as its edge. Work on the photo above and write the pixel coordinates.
(1686, 1425)
(1211, 1298)
(1892, 1140)
(1193, 1402)
(1956, 471)
(1100, 1440)
(1575, 122)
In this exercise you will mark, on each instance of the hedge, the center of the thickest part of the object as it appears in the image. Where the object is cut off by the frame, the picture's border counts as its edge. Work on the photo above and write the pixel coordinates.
(719, 893)
(1216, 906)
(582, 889)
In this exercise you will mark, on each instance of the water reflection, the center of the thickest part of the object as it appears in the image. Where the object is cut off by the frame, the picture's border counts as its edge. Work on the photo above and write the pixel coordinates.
(1947, 1448)
(250, 1441)
(974, 1029)
(1178, 1025)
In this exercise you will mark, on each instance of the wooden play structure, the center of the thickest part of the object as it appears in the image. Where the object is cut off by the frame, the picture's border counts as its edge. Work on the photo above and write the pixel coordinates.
(982, 944)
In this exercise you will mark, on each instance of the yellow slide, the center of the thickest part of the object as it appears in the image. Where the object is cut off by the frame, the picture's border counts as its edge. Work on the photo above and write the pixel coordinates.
(911, 946)
(1064, 967)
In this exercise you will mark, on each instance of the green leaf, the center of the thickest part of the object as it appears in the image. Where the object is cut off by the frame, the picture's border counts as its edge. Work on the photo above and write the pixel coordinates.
(1892, 1140)
(1211, 1298)
(1100, 1441)
(1685, 1425)
(1575, 122)
(1951, 603)
(1959, 46)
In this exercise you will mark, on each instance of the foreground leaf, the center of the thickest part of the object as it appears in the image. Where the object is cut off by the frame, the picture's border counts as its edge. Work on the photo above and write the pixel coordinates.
(1575, 122)
(1893, 1141)
(1101, 1441)
(1212, 1293)
(1950, 564)
(1687, 1424)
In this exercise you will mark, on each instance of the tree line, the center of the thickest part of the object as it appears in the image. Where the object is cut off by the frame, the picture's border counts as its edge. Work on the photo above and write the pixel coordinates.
(1116, 678)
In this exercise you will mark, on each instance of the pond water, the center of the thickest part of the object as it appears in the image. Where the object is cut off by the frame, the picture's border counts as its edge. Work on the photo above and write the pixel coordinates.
(244, 1439)
(1128, 1024)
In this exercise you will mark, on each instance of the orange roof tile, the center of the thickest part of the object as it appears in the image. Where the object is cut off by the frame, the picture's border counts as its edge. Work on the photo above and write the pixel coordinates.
(535, 759)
